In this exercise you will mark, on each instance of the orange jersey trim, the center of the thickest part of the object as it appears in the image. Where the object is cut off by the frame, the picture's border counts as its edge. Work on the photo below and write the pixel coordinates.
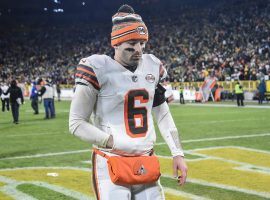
(94, 175)
(94, 83)
(86, 71)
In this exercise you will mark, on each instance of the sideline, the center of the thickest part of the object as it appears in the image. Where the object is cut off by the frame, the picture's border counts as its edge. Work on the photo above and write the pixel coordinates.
(226, 105)
(221, 138)
(46, 154)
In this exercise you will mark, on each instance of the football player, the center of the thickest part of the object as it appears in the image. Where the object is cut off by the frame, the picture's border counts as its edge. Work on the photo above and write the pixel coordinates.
(122, 93)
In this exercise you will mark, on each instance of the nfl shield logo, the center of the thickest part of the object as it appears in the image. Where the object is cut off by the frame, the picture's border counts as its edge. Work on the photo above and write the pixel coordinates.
(134, 78)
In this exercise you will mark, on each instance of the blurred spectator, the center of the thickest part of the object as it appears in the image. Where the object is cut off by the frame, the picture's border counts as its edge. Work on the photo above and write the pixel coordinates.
(34, 98)
(261, 90)
(227, 39)
(16, 99)
(4, 97)
(239, 92)
(58, 90)
(181, 93)
(46, 92)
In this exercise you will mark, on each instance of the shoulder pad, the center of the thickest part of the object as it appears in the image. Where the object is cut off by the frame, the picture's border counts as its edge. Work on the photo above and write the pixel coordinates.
(162, 69)
(153, 58)
(96, 61)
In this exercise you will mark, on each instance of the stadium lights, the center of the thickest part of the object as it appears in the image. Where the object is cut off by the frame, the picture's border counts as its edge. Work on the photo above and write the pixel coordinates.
(57, 1)
(45, 9)
(83, 3)
(58, 10)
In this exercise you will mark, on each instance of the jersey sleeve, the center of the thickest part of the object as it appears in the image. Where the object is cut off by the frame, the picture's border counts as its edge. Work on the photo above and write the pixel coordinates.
(168, 129)
(85, 74)
(81, 108)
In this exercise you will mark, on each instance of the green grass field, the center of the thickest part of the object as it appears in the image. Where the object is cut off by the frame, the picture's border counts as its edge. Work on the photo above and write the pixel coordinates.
(227, 151)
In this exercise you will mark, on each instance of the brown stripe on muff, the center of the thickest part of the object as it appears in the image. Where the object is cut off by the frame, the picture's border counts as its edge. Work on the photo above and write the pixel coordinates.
(94, 175)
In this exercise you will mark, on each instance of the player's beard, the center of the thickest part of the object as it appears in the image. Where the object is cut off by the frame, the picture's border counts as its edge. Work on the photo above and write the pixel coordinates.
(135, 59)
(129, 58)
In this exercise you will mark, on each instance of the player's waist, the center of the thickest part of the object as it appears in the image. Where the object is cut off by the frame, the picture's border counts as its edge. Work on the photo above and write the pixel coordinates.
(114, 152)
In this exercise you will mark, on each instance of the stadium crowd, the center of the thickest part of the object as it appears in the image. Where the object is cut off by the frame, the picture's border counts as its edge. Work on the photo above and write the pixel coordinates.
(225, 40)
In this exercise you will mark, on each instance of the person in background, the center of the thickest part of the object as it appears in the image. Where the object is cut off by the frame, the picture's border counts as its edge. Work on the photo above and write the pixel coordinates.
(58, 90)
(239, 92)
(16, 99)
(4, 97)
(181, 93)
(34, 98)
(54, 91)
(261, 90)
(46, 91)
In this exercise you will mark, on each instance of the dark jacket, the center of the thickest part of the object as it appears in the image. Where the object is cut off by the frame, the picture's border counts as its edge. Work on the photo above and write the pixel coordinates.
(262, 87)
(34, 93)
(15, 93)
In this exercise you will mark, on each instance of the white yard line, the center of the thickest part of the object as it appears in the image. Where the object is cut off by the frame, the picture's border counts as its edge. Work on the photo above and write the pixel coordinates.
(11, 189)
(221, 138)
(50, 168)
(229, 105)
(62, 190)
(223, 186)
(46, 154)
(228, 187)
(237, 147)
(243, 165)
(161, 143)
(183, 194)
(31, 134)
(222, 121)
(254, 168)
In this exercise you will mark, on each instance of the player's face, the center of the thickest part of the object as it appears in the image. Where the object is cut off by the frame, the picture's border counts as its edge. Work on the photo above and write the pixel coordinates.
(129, 53)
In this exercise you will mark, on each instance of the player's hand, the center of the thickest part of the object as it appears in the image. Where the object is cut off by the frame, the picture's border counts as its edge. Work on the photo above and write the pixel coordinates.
(110, 142)
(179, 164)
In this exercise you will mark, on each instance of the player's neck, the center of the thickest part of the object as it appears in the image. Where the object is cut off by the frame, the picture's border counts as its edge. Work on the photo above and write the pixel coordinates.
(131, 68)
(128, 67)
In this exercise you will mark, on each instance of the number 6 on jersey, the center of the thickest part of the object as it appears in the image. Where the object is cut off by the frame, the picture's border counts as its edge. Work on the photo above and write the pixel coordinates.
(136, 121)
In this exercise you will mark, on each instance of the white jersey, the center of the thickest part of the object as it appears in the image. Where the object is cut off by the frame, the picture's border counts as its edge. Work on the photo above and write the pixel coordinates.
(124, 100)
(4, 89)
(48, 93)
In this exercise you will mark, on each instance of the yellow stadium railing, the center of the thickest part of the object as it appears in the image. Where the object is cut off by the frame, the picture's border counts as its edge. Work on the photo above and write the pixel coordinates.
(249, 86)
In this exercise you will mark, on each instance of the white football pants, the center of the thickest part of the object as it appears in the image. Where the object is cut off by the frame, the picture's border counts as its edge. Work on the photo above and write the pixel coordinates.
(105, 189)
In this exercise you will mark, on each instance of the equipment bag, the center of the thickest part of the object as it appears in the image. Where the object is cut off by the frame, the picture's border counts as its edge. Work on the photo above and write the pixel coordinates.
(133, 170)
